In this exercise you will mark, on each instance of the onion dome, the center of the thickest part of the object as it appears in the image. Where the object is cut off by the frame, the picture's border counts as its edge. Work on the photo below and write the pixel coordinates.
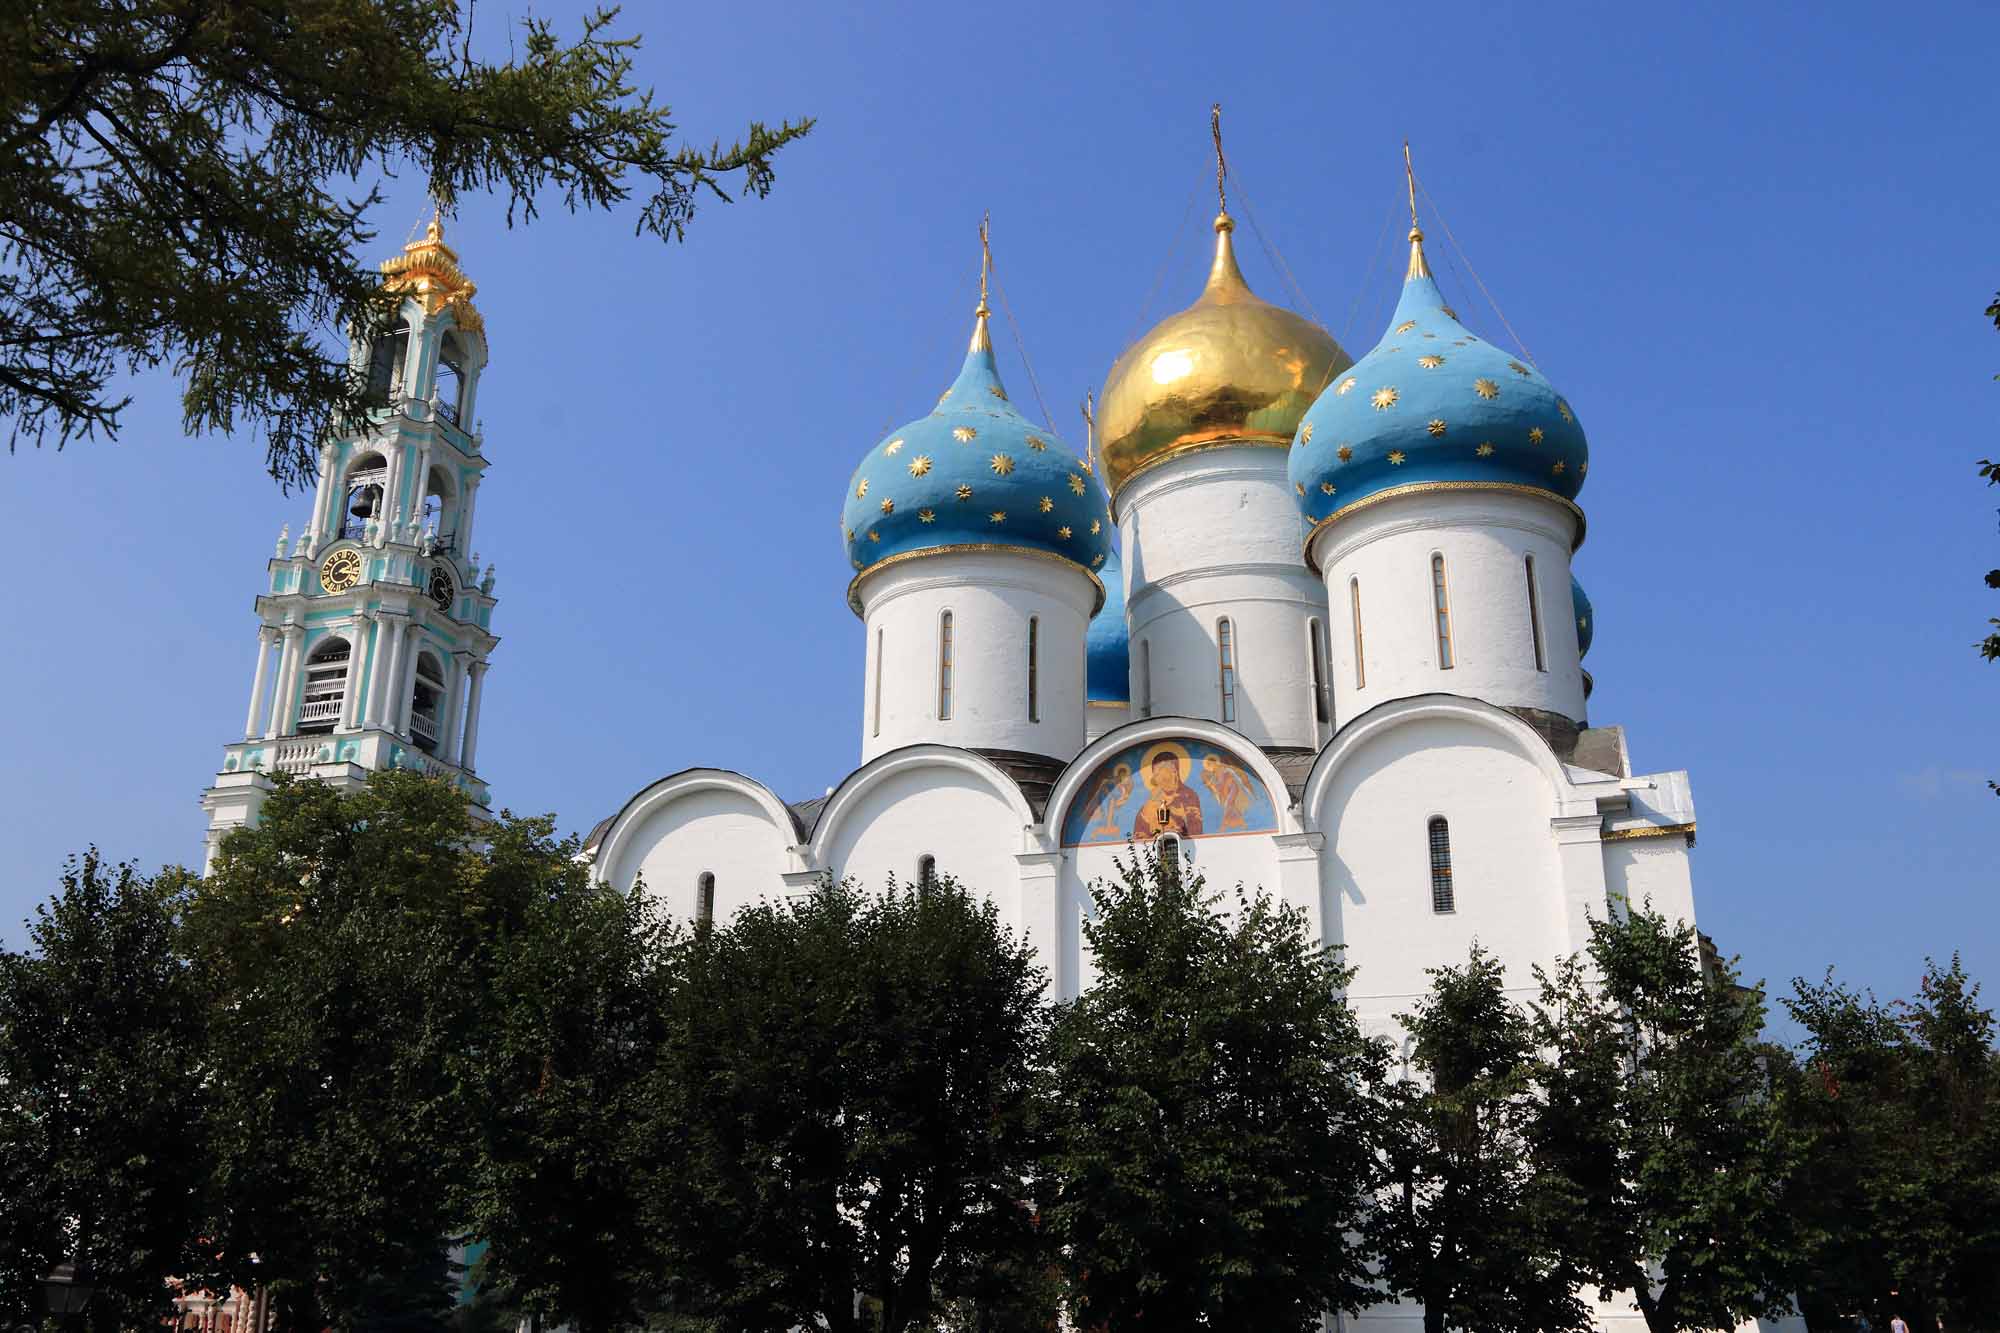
(1230, 369)
(429, 271)
(1107, 644)
(974, 475)
(1586, 620)
(1434, 407)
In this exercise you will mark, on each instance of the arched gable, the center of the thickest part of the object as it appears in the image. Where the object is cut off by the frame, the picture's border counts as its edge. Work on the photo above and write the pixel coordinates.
(1076, 780)
(850, 800)
(701, 821)
(1359, 732)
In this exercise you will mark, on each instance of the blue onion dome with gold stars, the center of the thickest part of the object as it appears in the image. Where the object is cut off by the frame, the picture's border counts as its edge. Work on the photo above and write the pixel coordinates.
(1434, 408)
(1586, 619)
(1107, 645)
(973, 475)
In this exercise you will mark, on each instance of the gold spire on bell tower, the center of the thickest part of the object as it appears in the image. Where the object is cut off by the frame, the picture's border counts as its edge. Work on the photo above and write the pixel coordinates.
(428, 270)
(982, 341)
(1418, 268)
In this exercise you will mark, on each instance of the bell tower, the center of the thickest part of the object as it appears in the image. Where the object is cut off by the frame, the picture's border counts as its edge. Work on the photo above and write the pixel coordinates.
(375, 627)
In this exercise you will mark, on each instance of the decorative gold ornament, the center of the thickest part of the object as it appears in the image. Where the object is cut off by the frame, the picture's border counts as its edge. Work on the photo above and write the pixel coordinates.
(1231, 367)
(1344, 453)
(1063, 532)
(1485, 451)
(1384, 398)
(1558, 468)
(920, 465)
(1534, 435)
(888, 505)
(1075, 484)
(861, 490)
(1002, 465)
(849, 533)
(1430, 362)
(1045, 504)
(428, 270)
(1563, 408)
(1327, 487)
(1448, 312)
(1095, 527)
(1396, 457)
(1435, 426)
(340, 570)
(927, 516)
(1518, 369)
(1097, 560)
(892, 448)
(1300, 487)
(1345, 385)
(1486, 388)
(874, 536)
(997, 516)
(1406, 326)
(963, 434)
(997, 392)
(964, 491)
(1037, 443)
(1583, 468)
(1306, 433)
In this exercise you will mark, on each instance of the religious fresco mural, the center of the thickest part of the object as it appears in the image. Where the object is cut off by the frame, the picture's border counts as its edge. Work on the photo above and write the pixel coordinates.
(1182, 786)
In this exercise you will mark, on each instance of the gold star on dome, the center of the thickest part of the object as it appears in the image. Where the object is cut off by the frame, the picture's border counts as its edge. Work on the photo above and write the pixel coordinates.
(946, 394)
(1396, 457)
(857, 564)
(1583, 468)
(1063, 532)
(1097, 560)
(1558, 468)
(1326, 486)
(1045, 504)
(1431, 362)
(997, 516)
(892, 448)
(1095, 527)
(1406, 326)
(874, 536)
(920, 465)
(888, 506)
(1563, 408)
(1343, 453)
(1484, 450)
(1518, 369)
(963, 434)
(861, 491)
(997, 392)
(1345, 385)
(850, 534)
(1306, 433)
(1486, 388)
(1435, 426)
(1037, 443)
(1582, 623)
(1384, 398)
(1075, 484)
(1448, 311)
(1002, 465)
(927, 516)
(1300, 487)
(964, 491)
(1534, 435)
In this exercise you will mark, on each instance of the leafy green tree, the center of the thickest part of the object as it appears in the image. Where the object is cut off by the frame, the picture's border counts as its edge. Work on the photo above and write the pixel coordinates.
(1661, 1132)
(1899, 1192)
(102, 1160)
(1463, 1227)
(1213, 1133)
(177, 188)
(839, 1126)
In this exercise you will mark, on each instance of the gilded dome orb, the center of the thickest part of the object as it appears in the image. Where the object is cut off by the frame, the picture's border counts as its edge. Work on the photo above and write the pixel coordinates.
(1231, 368)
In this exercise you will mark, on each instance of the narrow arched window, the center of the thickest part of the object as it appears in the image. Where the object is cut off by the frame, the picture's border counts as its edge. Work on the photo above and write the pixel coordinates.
(1354, 608)
(878, 681)
(1225, 653)
(704, 899)
(1535, 617)
(1034, 682)
(944, 667)
(1442, 898)
(1441, 601)
(1167, 847)
(1145, 678)
(385, 362)
(926, 871)
(1316, 635)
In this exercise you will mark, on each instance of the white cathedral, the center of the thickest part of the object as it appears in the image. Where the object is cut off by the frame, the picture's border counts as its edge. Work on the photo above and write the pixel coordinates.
(1304, 622)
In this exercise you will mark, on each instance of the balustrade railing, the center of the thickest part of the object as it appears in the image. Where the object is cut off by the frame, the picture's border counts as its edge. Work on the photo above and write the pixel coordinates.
(317, 710)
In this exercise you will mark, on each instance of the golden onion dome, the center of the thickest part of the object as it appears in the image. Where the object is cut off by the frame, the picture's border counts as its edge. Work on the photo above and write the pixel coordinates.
(1230, 369)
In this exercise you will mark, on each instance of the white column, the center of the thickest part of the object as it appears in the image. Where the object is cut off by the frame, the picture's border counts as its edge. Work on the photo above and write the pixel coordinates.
(282, 720)
(388, 667)
(423, 481)
(357, 653)
(259, 686)
(1580, 852)
(454, 707)
(316, 533)
(464, 543)
(478, 670)
(406, 684)
(392, 484)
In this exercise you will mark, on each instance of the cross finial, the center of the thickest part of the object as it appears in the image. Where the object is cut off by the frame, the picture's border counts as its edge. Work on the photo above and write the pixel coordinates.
(1410, 179)
(985, 258)
(1221, 164)
(1089, 410)
(1419, 268)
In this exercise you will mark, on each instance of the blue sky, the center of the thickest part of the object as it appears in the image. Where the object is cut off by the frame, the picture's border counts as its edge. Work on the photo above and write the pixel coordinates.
(1750, 243)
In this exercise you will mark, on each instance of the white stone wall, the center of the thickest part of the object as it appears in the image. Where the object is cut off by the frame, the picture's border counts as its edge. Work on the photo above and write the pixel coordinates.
(1099, 718)
(991, 596)
(1485, 538)
(674, 835)
(1211, 534)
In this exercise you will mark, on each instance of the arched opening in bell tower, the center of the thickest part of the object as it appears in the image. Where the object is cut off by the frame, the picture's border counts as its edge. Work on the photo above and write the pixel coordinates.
(326, 686)
(362, 495)
(427, 702)
(452, 377)
(440, 511)
(387, 357)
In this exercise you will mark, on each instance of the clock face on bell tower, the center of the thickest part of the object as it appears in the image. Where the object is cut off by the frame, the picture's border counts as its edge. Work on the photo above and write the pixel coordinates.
(441, 589)
(341, 570)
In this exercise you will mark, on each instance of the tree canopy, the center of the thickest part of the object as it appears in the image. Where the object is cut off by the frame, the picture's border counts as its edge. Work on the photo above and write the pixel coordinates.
(188, 186)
